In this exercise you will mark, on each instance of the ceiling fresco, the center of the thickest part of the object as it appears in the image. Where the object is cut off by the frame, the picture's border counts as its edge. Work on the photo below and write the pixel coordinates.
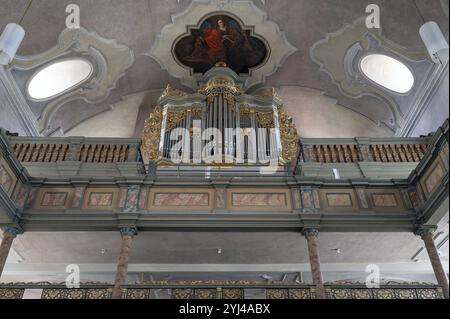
(221, 38)
(152, 37)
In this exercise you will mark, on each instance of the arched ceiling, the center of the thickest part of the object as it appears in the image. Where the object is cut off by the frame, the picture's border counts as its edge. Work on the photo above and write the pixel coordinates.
(137, 24)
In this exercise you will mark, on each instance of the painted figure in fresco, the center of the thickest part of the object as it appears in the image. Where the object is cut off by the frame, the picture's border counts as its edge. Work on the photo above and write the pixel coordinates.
(214, 39)
(221, 39)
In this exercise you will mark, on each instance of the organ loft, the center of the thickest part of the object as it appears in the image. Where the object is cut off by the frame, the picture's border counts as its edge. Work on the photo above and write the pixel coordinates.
(222, 149)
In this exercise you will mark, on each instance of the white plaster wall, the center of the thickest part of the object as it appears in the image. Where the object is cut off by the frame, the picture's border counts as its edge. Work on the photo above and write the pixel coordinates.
(436, 113)
(318, 116)
(120, 121)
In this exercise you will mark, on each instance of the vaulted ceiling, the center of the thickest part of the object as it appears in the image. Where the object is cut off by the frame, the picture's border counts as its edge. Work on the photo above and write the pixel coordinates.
(137, 24)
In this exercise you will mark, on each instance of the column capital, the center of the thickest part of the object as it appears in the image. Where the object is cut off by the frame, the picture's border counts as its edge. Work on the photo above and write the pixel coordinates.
(128, 231)
(308, 232)
(423, 230)
(14, 231)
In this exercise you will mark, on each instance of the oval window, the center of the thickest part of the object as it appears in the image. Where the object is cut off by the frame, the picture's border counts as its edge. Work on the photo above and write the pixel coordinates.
(58, 78)
(388, 72)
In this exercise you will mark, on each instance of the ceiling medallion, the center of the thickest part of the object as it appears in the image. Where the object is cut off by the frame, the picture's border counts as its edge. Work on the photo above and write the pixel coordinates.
(239, 35)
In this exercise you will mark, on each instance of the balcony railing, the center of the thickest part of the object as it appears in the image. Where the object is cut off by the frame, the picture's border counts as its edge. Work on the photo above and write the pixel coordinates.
(85, 150)
(232, 290)
(385, 150)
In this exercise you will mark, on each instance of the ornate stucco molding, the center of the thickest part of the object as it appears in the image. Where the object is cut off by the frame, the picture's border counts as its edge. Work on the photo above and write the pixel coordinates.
(339, 54)
(280, 48)
(110, 60)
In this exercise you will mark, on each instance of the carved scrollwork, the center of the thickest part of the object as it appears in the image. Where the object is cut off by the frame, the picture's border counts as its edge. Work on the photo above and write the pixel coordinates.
(265, 119)
(171, 92)
(152, 134)
(221, 86)
(289, 138)
(7, 293)
(183, 293)
(173, 118)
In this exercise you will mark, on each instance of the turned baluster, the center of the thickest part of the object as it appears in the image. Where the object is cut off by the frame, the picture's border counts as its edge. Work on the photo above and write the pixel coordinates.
(382, 153)
(394, 153)
(408, 153)
(341, 153)
(110, 156)
(123, 153)
(389, 156)
(17, 149)
(90, 153)
(55, 153)
(354, 152)
(98, 149)
(35, 153)
(326, 154)
(116, 154)
(42, 153)
(48, 153)
(334, 154)
(63, 152)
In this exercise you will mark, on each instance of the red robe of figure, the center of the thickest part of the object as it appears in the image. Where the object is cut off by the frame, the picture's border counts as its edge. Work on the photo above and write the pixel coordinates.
(216, 49)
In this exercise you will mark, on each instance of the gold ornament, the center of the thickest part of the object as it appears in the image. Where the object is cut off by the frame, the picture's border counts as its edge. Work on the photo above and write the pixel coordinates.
(171, 92)
(152, 134)
(220, 85)
(265, 119)
(173, 118)
(289, 138)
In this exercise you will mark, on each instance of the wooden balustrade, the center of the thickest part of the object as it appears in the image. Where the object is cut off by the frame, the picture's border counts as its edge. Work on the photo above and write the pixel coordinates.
(353, 153)
(103, 153)
(398, 153)
(86, 153)
(44, 153)
(335, 154)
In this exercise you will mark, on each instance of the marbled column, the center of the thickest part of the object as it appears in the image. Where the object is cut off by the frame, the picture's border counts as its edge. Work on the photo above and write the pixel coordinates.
(433, 254)
(312, 237)
(9, 233)
(122, 265)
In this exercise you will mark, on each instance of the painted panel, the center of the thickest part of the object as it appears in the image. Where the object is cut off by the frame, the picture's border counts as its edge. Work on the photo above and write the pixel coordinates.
(181, 199)
(100, 198)
(384, 200)
(54, 199)
(259, 200)
(7, 178)
(434, 178)
(339, 200)
(274, 200)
